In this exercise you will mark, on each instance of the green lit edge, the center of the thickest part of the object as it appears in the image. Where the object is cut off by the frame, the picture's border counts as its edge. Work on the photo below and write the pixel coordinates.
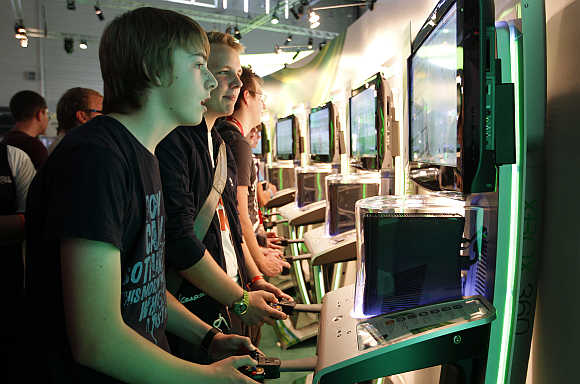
(517, 175)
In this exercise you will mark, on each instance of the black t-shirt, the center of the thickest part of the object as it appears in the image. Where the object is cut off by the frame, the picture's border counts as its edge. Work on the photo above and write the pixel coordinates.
(100, 184)
(246, 170)
(31, 145)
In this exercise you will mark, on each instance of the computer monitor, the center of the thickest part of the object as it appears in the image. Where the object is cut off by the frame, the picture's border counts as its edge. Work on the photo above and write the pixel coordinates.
(263, 146)
(370, 107)
(450, 128)
(322, 135)
(257, 150)
(286, 138)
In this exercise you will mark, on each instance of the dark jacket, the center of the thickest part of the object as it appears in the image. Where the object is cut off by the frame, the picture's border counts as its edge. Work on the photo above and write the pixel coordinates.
(187, 177)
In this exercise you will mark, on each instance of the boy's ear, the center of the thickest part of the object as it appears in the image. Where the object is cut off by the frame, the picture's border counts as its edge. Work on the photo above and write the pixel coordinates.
(156, 80)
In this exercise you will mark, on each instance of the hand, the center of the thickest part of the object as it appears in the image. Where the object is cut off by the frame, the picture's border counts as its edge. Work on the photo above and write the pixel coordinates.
(265, 286)
(271, 264)
(271, 242)
(260, 311)
(226, 371)
(223, 346)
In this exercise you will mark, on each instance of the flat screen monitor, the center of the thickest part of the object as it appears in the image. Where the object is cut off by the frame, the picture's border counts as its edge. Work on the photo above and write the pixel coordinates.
(285, 138)
(321, 130)
(369, 114)
(257, 150)
(434, 106)
(363, 130)
(451, 65)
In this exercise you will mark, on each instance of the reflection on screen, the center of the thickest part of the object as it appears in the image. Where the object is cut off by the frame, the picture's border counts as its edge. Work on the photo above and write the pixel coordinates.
(284, 137)
(320, 132)
(363, 133)
(258, 149)
(434, 114)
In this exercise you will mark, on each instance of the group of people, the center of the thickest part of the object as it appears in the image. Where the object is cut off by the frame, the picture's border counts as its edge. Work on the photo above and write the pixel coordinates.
(145, 257)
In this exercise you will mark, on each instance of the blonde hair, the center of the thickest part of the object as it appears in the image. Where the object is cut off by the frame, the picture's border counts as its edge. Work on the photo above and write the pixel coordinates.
(216, 37)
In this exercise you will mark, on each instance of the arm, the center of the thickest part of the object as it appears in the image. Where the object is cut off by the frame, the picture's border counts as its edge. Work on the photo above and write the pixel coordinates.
(269, 264)
(208, 276)
(12, 226)
(91, 276)
(263, 196)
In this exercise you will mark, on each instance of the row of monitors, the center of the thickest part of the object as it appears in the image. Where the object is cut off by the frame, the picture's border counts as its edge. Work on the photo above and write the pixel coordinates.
(367, 108)
(452, 75)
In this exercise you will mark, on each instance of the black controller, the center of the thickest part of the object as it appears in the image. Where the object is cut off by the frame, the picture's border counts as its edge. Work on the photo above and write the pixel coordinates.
(286, 306)
(267, 367)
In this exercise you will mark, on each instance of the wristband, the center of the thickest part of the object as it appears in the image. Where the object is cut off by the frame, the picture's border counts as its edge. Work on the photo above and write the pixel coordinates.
(208, 338)
(256, 278)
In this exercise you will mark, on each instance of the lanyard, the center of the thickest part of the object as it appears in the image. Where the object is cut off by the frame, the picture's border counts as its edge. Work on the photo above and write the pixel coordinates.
(237, 123)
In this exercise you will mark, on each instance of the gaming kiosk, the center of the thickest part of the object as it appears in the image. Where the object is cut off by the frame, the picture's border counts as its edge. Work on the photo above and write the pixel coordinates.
(426, 291)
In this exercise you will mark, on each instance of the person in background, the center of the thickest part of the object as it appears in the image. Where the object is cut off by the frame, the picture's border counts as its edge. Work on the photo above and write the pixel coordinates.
(215, 276)
(265, 239)
(31, 115)
(95, 271)
(16, 173)
(76, 107)
(247, 114)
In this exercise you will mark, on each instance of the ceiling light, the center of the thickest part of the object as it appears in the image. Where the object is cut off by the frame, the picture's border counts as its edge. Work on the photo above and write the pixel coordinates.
(68, 45)
(275, 20)
(99, 13)
(20, 31)
(289, 38)
(314, 25)
(83, 44)
(310, 43)
(313, 17)
(237, 33)
(70, 4)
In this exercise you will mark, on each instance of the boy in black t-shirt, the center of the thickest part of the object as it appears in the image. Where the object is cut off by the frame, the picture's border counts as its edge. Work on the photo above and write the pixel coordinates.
(96, 220)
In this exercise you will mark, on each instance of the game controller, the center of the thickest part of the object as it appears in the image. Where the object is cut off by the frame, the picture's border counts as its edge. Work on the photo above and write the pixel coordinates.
(267, 367)
(286, 306)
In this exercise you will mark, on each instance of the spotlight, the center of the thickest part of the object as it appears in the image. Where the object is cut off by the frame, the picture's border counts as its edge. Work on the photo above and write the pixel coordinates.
(237, 33)
(83, 44)
(99, 13)
(275, 20)
(20, 31)
(69, 45)
(70, 4)
(310, 43)
(314, 19)
(289, 38)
